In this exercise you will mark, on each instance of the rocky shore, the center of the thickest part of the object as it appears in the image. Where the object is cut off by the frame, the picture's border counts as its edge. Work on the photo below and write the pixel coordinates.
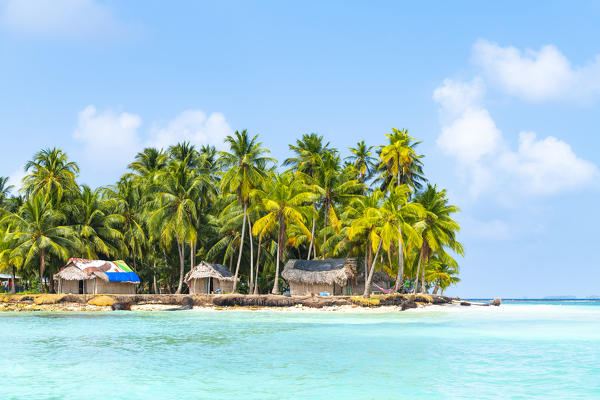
(162, 302)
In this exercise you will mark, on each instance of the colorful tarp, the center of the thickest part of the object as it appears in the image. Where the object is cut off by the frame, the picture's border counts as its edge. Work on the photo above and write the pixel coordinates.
(116, 271)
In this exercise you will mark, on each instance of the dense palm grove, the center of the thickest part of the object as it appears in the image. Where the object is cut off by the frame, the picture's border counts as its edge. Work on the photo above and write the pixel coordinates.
(238, 208)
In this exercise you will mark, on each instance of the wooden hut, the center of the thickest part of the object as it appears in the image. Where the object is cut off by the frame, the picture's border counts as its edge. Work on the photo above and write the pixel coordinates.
(209, 278)
(334, 276)
(81, 276)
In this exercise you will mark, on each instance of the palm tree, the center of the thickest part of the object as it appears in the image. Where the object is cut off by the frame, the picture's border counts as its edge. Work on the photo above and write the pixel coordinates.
(39, 232)
(399, 162)
(443, 271)
(149, 163)
(285, 201)
(51, 173)
(95, 225)
(7, 261)
(175, 211)
(397, 211)
(245, 162)
(437, 228)
(127, 199)
(362, 159)
(334, 188)
(5, 190)
(309, 152)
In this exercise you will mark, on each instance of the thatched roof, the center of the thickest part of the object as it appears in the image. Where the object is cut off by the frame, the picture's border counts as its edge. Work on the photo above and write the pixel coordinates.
(78, 269)
(328, 272)
(208, 270)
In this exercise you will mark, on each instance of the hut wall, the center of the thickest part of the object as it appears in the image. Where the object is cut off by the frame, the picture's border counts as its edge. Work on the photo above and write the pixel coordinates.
(101, 286)
(303, 289)
(198, 286)
(225, 286)
(69, 287)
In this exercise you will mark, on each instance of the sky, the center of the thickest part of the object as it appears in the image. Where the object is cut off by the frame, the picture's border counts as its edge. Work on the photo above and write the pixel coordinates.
(504, 96)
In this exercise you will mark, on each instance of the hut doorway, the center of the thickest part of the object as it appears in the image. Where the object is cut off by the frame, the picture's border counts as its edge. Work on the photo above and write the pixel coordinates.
(81, 289)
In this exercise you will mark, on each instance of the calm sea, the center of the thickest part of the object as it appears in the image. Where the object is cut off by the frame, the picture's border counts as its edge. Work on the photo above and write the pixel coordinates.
(531, 350)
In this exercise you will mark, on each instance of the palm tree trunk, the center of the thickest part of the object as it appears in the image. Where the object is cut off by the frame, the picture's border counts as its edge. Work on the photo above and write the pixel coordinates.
(239, 260)
(42, 268)
(181, 251)
(436, 288)
(13, 288)
(325, 227)
(312, 238)
(423, 287)
(400, 276)
(251, 288)
(418, 269)
(367, 261)
(367, 292)
(154, 285)
(276, 283)
(257, 263)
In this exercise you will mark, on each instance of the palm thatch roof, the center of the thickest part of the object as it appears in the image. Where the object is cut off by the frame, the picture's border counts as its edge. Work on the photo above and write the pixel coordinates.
(208, 270)
(322, 272)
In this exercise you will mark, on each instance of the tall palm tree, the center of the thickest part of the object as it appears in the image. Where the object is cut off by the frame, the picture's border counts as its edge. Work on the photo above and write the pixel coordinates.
(39, 232)
(8, 262)
(245, 161)
(51, 173)
(285, 200)
(398, 212)
(175, 211)
(363, 160)
(149, 163)
(369, 224)
(308, 157)
(399, 161)
(437, 228)
(127, 199)
(335, 188)
(95, 225)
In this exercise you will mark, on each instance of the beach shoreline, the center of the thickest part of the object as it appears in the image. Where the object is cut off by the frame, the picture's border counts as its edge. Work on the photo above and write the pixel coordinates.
(162, 302)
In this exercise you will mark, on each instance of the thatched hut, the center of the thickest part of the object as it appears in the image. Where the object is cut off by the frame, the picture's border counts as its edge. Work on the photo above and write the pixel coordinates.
(334, 276)
(83, 276)
(209, 278)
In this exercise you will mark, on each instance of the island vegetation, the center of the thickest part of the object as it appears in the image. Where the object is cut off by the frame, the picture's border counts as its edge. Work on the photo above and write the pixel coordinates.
(176, 207)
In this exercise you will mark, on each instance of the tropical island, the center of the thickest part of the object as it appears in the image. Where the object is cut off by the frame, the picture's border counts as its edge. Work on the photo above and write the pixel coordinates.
(233, 227)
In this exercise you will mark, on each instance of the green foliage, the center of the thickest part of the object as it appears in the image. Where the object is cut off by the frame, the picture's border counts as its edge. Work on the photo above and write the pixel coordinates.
(177, 206)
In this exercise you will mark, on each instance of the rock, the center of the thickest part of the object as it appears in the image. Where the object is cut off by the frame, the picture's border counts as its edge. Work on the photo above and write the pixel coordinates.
(122, 305)
(408, 304)
(496, 302)
(465, 303)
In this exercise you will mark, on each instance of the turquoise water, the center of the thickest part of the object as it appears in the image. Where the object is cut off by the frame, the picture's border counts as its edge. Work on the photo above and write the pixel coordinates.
(520, 351)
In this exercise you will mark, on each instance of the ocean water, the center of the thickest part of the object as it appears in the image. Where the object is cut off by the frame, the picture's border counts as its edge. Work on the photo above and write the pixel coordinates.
(517, 351)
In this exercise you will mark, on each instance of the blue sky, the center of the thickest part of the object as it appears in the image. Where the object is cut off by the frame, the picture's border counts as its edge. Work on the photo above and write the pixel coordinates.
(504, 97)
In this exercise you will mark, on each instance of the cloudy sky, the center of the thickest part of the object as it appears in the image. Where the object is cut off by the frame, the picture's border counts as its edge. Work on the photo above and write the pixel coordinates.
(504, 95)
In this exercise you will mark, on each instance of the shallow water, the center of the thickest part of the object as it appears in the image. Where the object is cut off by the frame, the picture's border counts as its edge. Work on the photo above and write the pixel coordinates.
(520, 351)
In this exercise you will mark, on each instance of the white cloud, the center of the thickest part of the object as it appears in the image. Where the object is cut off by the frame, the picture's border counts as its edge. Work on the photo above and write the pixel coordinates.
(16, 179)
(547, 166)
(484, 159)
(109, 139)
(62, 18)
(193, 126)
(545, 74)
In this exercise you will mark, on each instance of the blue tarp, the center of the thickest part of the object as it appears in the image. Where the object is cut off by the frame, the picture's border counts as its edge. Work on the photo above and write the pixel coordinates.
(122, 277)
